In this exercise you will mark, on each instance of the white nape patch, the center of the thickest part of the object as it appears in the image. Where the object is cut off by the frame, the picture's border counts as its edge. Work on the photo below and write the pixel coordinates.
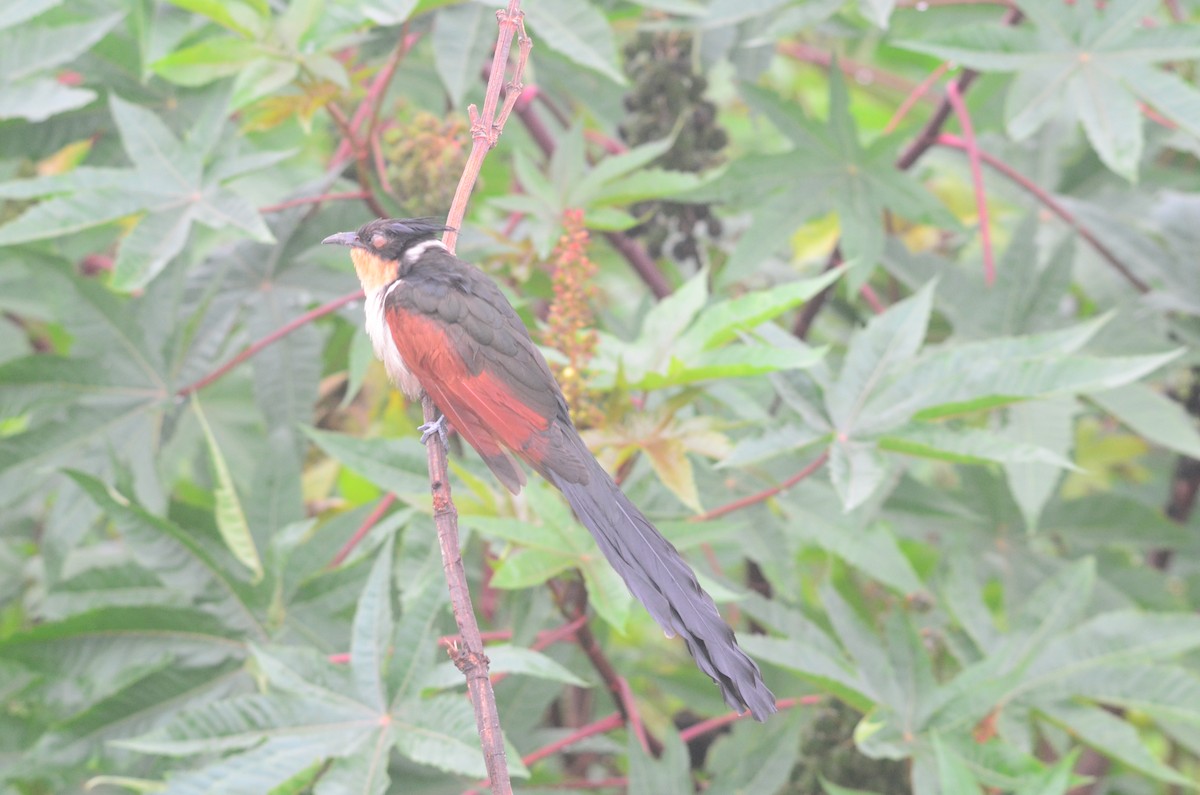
(413, 254)
(385, 346)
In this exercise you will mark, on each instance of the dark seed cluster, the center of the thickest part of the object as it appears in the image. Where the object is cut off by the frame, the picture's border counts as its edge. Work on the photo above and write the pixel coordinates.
(668, 94)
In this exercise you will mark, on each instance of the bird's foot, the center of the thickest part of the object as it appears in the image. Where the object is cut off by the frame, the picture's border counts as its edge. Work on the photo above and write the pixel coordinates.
(438, 428)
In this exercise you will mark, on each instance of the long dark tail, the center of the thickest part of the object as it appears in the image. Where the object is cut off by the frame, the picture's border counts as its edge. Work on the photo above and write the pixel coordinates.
(663, 582)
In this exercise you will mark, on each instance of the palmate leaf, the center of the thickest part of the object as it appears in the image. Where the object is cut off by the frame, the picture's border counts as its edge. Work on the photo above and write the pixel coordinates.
(169, 187)
(180, 559)
(313, 712)
(827, 165)
(114, 672)
(578, 31)
(1096, 66)
(29, 53)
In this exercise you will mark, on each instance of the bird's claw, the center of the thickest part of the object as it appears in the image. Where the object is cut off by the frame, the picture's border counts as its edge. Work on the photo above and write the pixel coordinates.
(437, 427)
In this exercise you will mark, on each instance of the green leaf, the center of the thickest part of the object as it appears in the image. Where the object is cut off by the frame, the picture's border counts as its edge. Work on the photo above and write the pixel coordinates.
(207, 61)
(615, 167)
(969, 446)
(396, 465)
(722, 322)
(1056, 780)
(147, 249)
(176, 556)
(857, 471)
(30, 49)
(579, 32)
(888, 342)
(1149, 414)
(1112, 737)
(555, 544)
(19, 12)
(1050, 424)
(231, 519)
(1095, 66)
(371, 633)
(389, 12)
(233, 14)
(667, 773)
(953, 773)
(462, 35)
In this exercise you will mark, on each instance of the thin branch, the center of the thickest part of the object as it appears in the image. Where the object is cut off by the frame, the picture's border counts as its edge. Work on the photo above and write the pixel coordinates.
(361, 157)
(872, 299)
(304, 200)
(808, 313)
(470, 657)
(765, 494)
(617, 687)
(929, 133)
(641, 261)
(486, 126)
(920, 92)
(985, 226)
(712, 724)
(613, 721)
(1052, 204)
(367, 111)
(859, 72)
(273, 337)
(361, 533)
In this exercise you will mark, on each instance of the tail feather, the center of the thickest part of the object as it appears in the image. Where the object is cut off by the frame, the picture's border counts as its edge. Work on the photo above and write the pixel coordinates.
(664, 583)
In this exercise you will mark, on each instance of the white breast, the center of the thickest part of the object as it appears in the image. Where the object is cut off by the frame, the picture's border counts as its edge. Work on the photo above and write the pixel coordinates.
(385, 347)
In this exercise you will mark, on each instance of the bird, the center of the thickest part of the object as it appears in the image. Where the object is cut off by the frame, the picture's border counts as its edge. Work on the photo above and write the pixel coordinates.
(443, 328)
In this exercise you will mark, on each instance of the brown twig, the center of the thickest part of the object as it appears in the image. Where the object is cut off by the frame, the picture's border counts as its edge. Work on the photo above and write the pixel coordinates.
(470, 657)
(487, 126)
(274, 336)
(361, 157)
(572, 602)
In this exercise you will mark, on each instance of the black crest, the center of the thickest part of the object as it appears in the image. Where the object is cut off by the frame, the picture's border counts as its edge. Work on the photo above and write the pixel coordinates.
(391, 237)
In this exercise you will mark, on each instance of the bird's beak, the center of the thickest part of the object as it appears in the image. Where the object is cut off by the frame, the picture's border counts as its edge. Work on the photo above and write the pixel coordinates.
(342, 239)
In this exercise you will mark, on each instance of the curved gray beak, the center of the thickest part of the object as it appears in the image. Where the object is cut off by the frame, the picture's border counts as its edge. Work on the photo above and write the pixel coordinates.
(341, 239)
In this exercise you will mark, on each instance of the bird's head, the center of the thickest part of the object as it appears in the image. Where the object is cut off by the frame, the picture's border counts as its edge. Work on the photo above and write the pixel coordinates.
(378, 248)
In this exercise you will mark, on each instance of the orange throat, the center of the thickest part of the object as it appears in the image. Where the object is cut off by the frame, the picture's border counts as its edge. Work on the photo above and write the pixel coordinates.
(373, 271)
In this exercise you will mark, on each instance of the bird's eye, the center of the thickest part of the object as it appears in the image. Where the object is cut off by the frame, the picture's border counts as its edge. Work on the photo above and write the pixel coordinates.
(379, 240)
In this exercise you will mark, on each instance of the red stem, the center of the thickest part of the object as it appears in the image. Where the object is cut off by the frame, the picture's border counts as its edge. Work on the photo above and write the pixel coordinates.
(985, 226)
(920, 92)
(303, 200)
(359, 534)
(1052, 204)
(765, 494)
(712, 724)
(274, 336)
(613, 721)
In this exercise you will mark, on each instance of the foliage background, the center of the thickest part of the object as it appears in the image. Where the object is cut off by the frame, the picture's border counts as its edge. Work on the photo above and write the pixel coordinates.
(948, 501)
